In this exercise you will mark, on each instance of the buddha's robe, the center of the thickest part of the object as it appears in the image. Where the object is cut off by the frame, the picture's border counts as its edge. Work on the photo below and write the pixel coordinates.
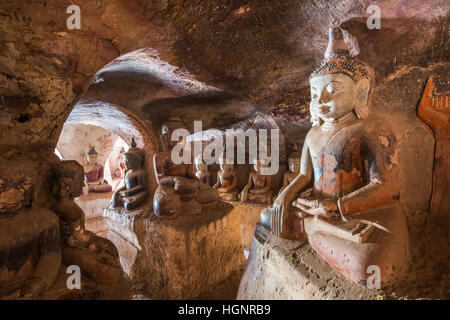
(359, 165)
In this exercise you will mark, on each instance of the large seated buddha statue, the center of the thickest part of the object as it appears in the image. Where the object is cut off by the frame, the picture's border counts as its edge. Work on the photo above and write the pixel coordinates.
(352, 216)
(179, 190)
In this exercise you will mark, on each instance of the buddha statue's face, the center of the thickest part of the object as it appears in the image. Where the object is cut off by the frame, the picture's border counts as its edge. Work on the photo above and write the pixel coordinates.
(131, 162)
(332, 95)
(92, 158)
(294, 165)
(259, 165)
(201, 167)
(71, 188)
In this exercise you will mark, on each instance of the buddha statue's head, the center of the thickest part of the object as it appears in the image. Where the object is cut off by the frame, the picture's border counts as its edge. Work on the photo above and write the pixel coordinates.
(225, 163)
(200, 165)
(167, 129)
(342, 82)
(134, 157)
(69, 179)
(92, 156)
(294, 160)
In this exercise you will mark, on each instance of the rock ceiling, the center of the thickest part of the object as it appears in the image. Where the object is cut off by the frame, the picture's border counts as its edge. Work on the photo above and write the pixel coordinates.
(256, 54)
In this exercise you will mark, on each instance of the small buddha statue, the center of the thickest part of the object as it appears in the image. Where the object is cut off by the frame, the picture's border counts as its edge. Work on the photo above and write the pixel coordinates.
(97, 257)
(202, 173)
(294, 168)
(259, 186)
(94, 174)
(352, 215)
(30, 248)
(179, 190)
(134, 192)
(227, 180)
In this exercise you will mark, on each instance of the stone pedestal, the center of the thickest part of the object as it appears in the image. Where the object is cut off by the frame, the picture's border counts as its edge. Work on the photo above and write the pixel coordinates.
(93, 206)
(181, 258)
(286, 269)
(249, 215)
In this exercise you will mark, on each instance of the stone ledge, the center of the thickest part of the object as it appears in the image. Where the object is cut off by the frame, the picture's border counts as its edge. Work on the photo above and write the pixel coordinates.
(178, 258)
(249, 215)
(287, 269)
(93, 205)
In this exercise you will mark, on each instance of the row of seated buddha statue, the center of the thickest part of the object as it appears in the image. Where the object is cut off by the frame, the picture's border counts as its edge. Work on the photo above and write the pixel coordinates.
(187, 188)
(259, 187)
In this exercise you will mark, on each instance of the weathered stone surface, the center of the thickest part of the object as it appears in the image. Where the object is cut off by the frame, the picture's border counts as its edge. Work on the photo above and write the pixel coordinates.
(415, 159)
(180, 258)
(286, 269)
(249, 216)
(93, 206)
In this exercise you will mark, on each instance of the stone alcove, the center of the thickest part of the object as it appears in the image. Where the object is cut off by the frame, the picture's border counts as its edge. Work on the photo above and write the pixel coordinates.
(75, 141)
(138, 85)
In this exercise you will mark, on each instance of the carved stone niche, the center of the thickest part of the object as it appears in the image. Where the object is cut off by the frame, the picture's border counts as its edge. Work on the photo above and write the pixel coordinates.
(186, 257)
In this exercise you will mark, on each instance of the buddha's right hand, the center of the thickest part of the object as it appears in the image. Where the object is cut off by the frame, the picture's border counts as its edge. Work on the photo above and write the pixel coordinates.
(280, 208)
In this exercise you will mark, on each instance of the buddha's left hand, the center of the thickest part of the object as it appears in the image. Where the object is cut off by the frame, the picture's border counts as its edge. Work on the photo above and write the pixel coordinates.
(323, 208)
